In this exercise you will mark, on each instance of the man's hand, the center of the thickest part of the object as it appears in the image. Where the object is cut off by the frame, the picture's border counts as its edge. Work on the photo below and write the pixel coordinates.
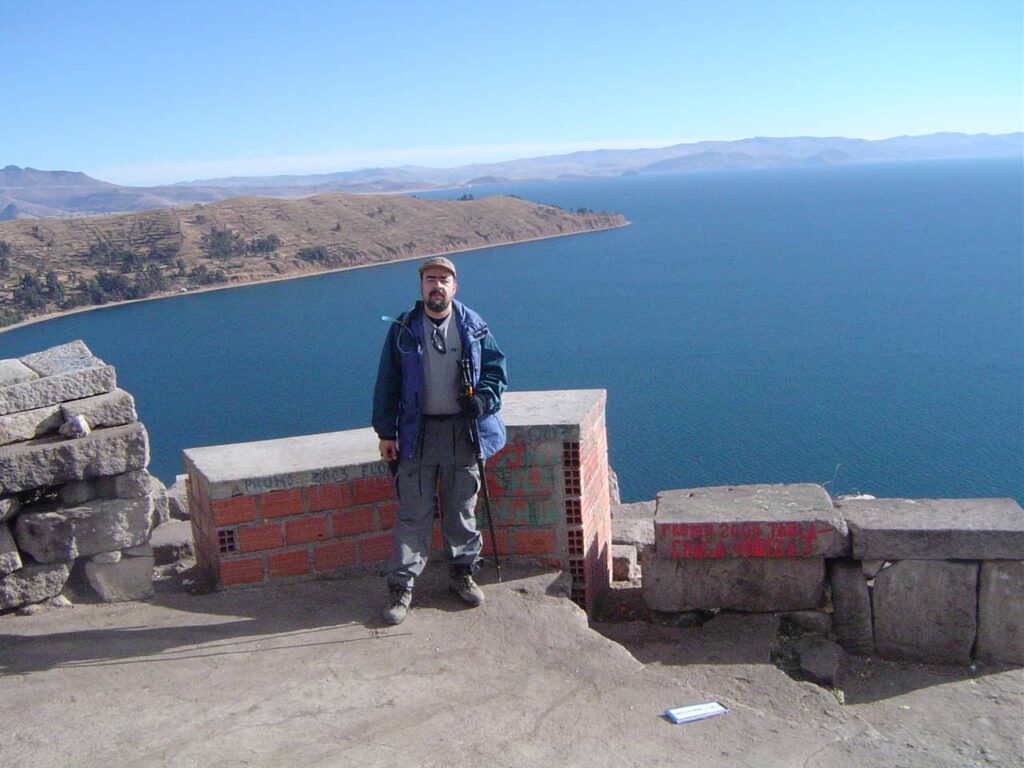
(389, 450)
(474, 407)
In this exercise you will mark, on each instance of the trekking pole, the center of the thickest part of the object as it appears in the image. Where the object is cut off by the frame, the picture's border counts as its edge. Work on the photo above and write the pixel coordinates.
(466, 372)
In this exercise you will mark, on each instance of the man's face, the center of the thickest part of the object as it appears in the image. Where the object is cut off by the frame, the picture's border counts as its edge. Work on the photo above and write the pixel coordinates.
(437, 287)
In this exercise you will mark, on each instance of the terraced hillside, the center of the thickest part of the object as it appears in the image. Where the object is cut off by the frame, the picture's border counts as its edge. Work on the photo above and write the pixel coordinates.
(55, 265)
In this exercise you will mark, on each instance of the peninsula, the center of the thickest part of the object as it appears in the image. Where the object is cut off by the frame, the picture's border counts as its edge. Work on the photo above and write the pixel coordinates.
(52, 266)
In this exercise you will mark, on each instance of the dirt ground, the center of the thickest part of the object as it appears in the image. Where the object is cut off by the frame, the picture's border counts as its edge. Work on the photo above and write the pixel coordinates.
(306, 674)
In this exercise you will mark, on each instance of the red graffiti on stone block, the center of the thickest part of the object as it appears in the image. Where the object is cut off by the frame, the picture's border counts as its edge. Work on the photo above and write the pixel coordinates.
(716, 540)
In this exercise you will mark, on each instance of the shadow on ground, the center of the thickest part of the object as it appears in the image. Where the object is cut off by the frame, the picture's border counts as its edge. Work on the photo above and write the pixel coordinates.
(264, 619)
(736, 639)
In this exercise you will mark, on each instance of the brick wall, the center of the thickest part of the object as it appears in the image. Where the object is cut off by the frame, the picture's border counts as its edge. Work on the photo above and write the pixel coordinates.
(302, 506)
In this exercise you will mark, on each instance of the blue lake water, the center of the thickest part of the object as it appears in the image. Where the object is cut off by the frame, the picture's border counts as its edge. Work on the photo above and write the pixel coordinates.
(858, 326)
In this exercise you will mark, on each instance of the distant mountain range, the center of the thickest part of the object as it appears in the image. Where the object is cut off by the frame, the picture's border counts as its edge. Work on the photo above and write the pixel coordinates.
(30, 193)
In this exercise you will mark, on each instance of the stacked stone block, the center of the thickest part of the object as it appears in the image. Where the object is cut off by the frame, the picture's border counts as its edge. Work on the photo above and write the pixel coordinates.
(304, 506)
(945, 577)
(73, 482)
(745, 548)
(923, 580)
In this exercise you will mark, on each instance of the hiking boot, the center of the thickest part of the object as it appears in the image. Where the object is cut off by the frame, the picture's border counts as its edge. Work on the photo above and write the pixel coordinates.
(399, 600)
(460, 581)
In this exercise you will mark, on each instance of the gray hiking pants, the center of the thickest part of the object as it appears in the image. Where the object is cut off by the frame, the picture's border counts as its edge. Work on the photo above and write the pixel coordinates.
(445, 468)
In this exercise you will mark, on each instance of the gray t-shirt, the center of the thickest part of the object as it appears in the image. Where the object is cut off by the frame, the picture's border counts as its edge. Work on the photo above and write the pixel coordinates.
(441, 370)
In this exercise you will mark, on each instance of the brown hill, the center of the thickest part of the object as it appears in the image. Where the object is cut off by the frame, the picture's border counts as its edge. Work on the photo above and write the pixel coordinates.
(53, 265)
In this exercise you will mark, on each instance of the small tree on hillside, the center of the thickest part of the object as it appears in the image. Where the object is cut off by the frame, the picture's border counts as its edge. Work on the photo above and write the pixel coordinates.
(262, 246)
(317, 254)
(222, 244)
(54, 287)
(30, 292)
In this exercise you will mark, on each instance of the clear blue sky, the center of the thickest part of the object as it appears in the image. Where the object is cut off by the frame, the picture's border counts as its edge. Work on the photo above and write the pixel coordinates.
(152, 91)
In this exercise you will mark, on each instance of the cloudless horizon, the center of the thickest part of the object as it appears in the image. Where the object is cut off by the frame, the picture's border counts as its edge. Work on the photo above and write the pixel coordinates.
(154, 93)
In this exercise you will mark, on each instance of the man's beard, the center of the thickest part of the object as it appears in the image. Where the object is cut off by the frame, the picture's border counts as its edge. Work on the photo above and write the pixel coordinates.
(438, 305)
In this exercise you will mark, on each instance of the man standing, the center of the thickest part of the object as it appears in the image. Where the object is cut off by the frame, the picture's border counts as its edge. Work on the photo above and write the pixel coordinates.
(421, 416)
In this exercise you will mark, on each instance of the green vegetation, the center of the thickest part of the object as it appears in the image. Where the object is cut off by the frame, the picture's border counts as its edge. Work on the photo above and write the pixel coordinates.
(222, 244)
(123, 274)
(203, 275)
(10, 316)
(316, 254)
(165, 254)
(5, 258)
(264, 246)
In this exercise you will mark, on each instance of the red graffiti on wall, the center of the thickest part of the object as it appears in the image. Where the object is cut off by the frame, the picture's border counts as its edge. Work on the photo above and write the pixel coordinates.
(714, 540)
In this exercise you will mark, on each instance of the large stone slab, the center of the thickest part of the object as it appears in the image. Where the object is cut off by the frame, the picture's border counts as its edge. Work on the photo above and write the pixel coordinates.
(10, 560)
(935, 529)
(64, 358)
(748, 521)
(32, 584)
(51, 390)
(925, 610)
(110, 409)
(27, 425)
(47, 462)
(851, 606)
(756, 584)
(1001, 612)
(102, 525)
(130, 578)
(633, 523)
(14, 372)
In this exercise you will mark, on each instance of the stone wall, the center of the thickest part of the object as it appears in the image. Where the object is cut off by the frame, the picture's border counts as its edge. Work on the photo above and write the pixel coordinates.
(922, 580)
(303, 506)
(76, 501)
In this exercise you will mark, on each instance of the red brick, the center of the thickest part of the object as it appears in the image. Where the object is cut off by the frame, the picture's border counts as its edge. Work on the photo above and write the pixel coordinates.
(436, 538)
(367, 490)
(288, 563)
(337, 554)
(534, 541)
(376, 548)
(501, 537)
(494, 488)
(255, 537)
(351, 521)
(305, 530)
(241, 571)
(281, 503)
(386, 512)
(238, 509)
(511, 456)
(335, 496)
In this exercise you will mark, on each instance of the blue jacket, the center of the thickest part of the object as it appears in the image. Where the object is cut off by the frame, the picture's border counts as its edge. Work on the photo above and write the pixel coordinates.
(396, 397)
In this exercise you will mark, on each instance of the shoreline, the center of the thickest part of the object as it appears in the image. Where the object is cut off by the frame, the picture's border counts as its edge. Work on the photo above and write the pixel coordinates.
(206, 289)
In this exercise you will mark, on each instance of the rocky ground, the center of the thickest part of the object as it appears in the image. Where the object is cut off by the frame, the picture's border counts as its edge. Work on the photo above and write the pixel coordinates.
(307, 674)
